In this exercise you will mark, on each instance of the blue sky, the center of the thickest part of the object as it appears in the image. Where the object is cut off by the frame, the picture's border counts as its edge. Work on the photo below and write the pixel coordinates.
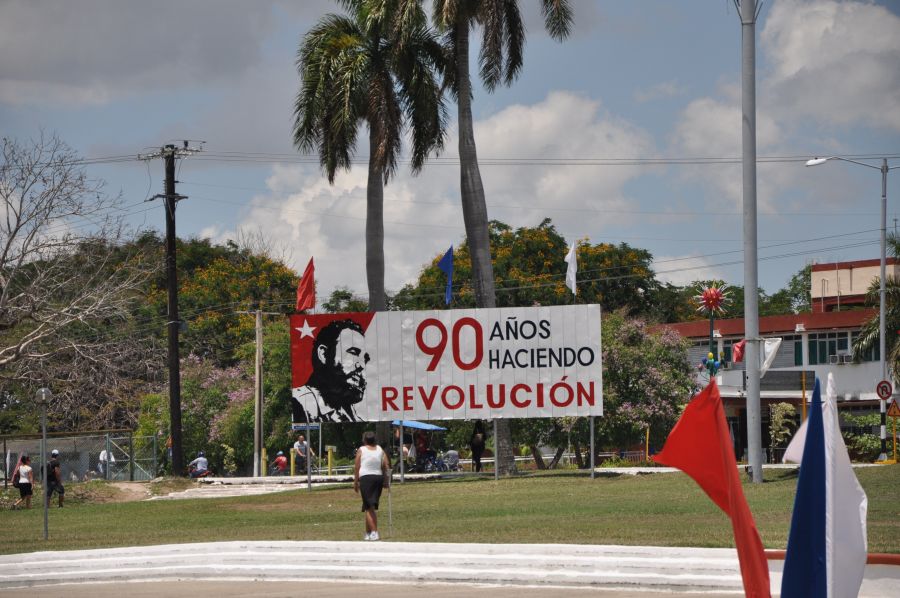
(639, 80)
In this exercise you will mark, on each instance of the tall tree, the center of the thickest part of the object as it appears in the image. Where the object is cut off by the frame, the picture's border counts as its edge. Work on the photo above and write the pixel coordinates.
(379, 64)
(68, 292)
(500, 60)
(528, 268)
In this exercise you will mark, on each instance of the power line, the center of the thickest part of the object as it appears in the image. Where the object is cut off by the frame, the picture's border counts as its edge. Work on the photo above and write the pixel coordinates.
(534, 207)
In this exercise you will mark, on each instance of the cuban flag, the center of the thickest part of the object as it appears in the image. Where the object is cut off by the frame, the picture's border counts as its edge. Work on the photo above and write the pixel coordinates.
(826, 552)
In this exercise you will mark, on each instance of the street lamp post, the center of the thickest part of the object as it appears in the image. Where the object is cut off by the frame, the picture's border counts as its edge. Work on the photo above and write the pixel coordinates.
(881, 294)
(44, 395)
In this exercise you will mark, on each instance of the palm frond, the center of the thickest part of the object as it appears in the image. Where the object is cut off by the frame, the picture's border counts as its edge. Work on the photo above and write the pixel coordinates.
(558, 18)
(513, 40)
(493, 25)
(331, 62)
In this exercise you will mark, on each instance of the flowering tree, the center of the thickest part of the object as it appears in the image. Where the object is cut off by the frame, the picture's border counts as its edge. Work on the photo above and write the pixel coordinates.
(646, 379)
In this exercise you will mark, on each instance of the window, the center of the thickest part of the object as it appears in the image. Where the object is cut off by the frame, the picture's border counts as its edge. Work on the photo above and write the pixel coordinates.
(825, 345)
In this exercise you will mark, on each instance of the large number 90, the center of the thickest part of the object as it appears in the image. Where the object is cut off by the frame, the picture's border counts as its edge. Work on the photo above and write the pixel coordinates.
(436, 351)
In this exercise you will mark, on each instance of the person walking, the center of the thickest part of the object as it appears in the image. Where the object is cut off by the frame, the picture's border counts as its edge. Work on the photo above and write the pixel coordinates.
(24, 482)
(476, 443)
(53, 479)
(371, 473)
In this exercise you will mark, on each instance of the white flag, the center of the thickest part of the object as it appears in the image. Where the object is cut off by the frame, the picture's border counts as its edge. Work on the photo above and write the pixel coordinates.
(846, 504)
(768, 353)
(572, 270)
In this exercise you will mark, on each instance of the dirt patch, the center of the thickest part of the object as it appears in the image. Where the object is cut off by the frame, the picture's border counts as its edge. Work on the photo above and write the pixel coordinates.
(129, 491)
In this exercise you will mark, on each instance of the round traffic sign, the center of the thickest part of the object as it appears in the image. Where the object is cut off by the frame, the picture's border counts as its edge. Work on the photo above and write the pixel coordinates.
(884, 390)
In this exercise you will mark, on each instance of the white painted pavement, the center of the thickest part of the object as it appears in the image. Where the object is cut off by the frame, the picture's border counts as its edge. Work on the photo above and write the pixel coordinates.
(626, 568)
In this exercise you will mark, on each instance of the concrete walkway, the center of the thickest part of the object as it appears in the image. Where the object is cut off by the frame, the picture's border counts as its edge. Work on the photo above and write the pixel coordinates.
(627, 568)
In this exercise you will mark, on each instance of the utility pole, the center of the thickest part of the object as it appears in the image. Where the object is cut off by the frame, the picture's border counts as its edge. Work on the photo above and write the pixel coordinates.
(748, 13)
(258, 391)
(169, 153)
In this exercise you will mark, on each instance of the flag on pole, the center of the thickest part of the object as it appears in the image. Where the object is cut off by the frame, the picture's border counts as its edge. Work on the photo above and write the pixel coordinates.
(826, 552)
(572, 270)
(769, 351)
(446, 266)
(700, 446)
(306, 289)
(737, 351)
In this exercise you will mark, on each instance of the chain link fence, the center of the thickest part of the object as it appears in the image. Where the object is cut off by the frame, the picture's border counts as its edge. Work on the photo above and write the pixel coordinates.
(114, 456)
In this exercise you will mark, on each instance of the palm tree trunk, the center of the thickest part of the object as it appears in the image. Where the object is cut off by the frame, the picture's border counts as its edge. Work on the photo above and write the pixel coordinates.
(476, 218)
(375, 253)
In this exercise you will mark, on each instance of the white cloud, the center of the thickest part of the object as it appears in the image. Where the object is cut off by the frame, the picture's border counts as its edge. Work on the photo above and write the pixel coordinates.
(834, 62)
(682, 270)
(829, 65)
(711, 128)
(93, 51)
(422, 214)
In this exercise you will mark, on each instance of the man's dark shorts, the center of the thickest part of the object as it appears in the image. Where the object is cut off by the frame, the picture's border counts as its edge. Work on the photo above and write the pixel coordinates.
(55, 487)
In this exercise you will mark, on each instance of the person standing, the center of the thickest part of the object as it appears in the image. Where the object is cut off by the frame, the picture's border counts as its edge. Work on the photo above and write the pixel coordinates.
(25, 481)
(371, 474)
(53, 479)
(476, 443)
(301, 451)
(105, 459)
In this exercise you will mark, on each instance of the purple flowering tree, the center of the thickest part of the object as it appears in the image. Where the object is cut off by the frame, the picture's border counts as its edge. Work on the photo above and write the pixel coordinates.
(647, 378)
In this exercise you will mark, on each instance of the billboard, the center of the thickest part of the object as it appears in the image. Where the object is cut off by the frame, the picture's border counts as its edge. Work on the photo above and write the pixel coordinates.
(447, 364)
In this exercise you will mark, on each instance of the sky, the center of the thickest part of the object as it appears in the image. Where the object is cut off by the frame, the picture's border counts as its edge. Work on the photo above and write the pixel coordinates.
(609, 133)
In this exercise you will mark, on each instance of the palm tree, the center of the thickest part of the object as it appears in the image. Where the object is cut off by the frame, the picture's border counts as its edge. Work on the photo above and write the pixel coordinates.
(868, 338)
(379, 64)
(500, 60)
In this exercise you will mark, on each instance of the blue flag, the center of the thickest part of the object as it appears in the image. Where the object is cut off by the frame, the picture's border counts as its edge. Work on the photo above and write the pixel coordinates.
(805, 572)
(446, 266)
(827, 548)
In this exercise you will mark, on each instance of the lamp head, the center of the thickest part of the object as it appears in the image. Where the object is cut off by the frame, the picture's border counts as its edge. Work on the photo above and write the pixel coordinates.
(817, 161)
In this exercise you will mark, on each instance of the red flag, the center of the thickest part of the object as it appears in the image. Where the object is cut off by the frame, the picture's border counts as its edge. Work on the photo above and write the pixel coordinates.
(700, 446)
(306, 290)
(737, 351)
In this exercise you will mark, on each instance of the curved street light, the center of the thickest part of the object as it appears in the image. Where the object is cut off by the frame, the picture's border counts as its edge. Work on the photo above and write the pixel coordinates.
(884, 168)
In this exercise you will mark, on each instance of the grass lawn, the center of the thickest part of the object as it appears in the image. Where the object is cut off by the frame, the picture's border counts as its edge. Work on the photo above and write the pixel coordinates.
(559, 507)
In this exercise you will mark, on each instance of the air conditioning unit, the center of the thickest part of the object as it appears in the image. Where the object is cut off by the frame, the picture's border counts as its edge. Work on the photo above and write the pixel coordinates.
(834, 359)
(846, 358)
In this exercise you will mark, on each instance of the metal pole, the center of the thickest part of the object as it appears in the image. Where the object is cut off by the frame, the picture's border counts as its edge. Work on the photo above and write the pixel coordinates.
(308, 459)
(5, 466)
(130, 456)
(173, 323)
(751, 274)
(593, 473)
(44, 467)
(881, 301)
(803, 390)
(108, 460)
(402, 460)
(496, 469)
(258, 399)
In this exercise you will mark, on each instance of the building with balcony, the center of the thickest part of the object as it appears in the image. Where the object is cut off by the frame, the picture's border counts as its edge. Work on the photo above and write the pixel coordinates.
(813, 344)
